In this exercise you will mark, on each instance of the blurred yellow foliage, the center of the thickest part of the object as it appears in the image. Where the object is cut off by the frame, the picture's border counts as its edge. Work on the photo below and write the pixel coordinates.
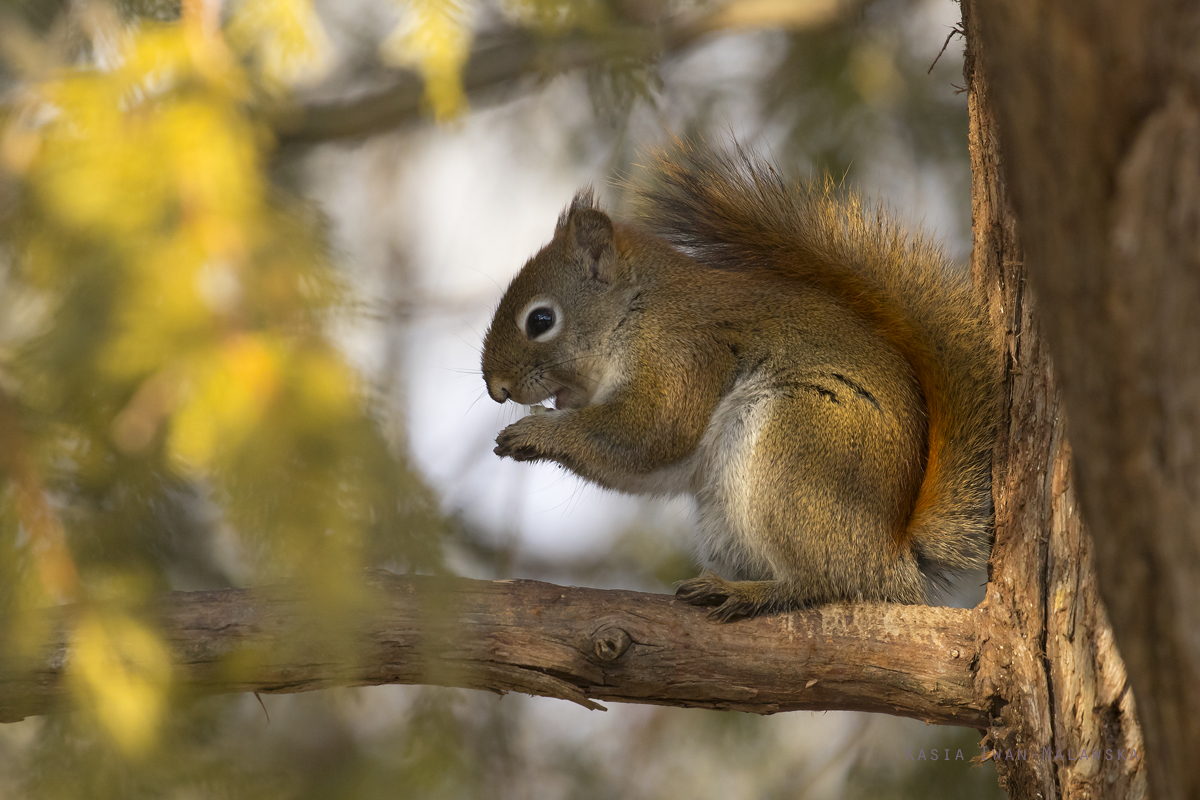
(329, 387)
(286, 36)
(182, 343)
(436, 40)
(233, 387)
(122, 671)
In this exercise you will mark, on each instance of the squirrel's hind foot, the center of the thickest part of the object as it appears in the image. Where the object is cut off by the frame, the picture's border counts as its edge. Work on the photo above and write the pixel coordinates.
(733, 599)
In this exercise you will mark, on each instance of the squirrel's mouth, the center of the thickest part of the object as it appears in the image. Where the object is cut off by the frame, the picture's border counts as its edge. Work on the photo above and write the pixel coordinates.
(562, 398)
(566, 397)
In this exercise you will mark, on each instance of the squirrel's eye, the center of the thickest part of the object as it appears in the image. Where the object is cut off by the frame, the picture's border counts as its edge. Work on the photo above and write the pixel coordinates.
(539, 321)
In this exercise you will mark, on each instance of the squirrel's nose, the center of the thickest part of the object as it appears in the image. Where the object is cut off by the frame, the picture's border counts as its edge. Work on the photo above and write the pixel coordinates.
(498, 390)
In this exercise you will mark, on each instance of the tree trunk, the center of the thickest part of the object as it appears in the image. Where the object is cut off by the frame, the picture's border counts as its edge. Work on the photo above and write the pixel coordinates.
(1048, 668)
(1098, 110)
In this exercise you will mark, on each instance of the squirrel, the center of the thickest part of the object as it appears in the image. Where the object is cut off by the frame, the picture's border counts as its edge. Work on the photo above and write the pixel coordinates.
(822, 383)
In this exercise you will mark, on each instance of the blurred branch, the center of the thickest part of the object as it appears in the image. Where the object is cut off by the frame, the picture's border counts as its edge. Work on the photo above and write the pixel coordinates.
(570, 643)
(504, 58)
(496, 61)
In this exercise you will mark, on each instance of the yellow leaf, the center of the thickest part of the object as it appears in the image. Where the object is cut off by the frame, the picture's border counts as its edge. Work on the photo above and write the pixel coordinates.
(95, 171)
(155, 57)
(159, 56)
(212, 161)
(164, 313)
(229, 395)
(121, 671)
(286, 35)
(436, 40)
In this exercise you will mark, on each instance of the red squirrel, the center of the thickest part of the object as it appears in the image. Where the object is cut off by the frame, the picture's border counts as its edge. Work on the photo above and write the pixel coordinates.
(823, 384)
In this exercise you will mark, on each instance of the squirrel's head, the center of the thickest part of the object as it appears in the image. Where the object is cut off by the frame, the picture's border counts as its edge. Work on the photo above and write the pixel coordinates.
(551, 334)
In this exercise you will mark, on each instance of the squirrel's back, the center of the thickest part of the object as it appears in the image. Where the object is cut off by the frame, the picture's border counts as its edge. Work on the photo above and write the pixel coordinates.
(734, 211)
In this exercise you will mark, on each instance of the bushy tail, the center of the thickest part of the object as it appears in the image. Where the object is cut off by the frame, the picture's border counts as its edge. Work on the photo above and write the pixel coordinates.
(734, 211)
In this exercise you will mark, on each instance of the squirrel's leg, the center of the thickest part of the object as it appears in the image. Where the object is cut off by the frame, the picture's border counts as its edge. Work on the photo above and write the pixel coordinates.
(651, 424)
(805, 497)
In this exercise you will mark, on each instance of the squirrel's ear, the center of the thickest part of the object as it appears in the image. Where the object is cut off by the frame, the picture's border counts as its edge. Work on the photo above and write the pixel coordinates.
(591, 235)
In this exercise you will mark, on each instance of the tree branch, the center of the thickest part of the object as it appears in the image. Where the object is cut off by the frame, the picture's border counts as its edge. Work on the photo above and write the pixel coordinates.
(505, 58)
(577, 644)
(498, 61)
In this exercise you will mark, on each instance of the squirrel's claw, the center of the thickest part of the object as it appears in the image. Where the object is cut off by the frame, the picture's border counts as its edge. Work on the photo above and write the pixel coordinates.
(705, 590)
(516, 453)
(513, 443)
(733, 599)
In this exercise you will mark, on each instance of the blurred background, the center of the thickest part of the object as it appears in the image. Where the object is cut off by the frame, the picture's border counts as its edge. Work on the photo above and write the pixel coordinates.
(248, 251)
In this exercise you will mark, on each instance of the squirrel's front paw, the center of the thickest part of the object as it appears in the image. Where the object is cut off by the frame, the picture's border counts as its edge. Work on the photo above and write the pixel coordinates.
(516, 443)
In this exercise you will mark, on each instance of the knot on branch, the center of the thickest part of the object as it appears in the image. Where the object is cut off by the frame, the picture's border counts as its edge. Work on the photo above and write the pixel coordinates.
(610, 642)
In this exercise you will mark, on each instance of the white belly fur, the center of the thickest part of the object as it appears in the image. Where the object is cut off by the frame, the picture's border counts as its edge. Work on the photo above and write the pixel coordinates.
(720, 474)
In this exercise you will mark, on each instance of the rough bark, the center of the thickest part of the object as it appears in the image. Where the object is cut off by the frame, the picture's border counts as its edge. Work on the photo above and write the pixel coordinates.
(576, 644)
(1097, 104)
(1049, 670)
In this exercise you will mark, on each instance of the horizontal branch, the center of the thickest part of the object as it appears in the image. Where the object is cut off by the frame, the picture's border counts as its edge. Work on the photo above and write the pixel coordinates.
(576, 644)
(498, 61)
(494, 63)
(511, 55)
